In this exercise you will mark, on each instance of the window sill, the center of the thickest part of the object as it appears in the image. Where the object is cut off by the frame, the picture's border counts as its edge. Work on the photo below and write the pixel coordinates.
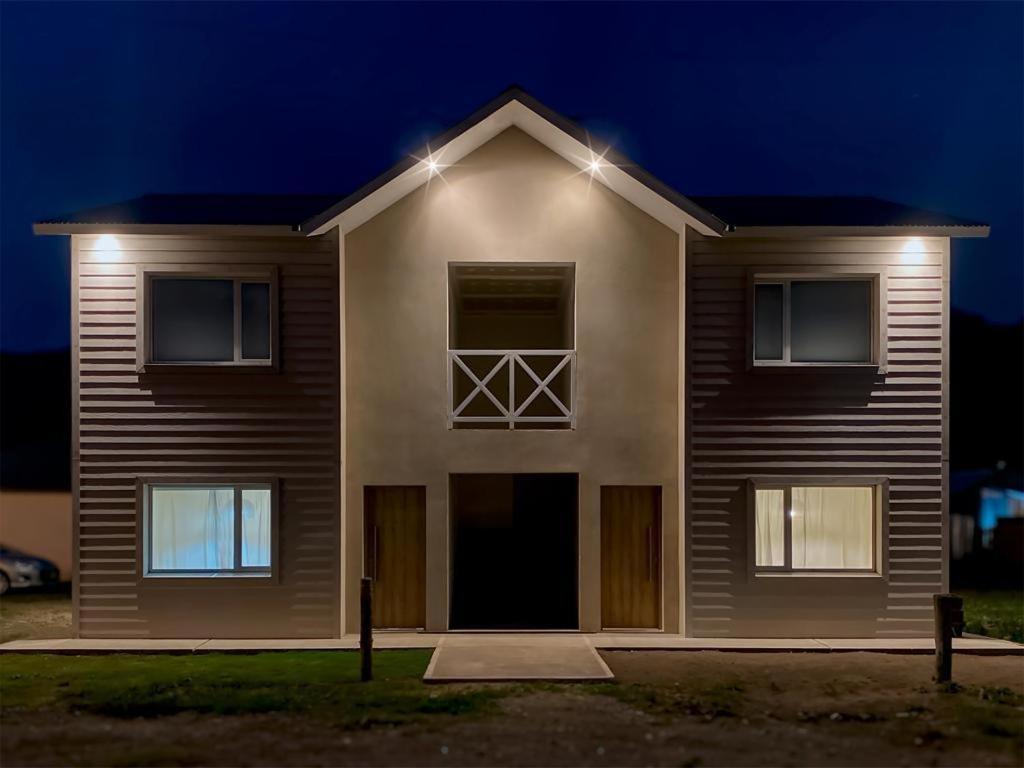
(771, 366)
(220, 575)
(247, 367)
(818, 574)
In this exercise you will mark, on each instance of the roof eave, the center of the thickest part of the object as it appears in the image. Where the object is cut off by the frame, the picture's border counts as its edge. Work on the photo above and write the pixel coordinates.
(261, 230)
(972, 230)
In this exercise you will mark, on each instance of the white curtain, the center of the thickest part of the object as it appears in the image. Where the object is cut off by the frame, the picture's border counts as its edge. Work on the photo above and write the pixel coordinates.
(256, 527)
(192, 528)
(770, 527)
(833, 527)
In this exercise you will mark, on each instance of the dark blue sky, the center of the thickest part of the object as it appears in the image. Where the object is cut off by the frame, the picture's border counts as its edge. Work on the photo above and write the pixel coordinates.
(921, 103)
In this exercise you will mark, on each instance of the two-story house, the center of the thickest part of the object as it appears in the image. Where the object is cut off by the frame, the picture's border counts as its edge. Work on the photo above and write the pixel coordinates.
(520, 383)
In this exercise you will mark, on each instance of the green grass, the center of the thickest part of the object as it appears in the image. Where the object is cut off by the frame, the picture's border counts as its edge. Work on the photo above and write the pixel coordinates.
(995, 614)
(321, 684)
(34, 615)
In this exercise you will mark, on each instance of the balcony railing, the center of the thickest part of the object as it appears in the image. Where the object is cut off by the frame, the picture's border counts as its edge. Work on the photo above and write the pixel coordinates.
(516, 387)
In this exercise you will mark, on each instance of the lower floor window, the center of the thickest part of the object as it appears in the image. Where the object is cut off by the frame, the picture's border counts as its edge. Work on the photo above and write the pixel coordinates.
(209, 529)
(822, 528)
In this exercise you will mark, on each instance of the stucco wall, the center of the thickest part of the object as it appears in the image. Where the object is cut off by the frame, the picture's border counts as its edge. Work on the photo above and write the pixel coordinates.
(512, 200)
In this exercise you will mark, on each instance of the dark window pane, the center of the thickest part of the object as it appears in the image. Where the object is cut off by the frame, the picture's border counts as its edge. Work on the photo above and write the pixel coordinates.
(192, 320)
(830, 321)
(768, 321)
(256, 321)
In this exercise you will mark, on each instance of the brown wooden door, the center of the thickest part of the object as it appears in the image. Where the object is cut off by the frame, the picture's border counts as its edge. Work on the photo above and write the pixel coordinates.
(630, 556)
(395, 557)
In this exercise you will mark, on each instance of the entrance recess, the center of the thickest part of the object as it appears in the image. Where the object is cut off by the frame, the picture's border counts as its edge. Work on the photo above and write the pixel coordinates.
(394, 555)
(630, 557)
(514, 551)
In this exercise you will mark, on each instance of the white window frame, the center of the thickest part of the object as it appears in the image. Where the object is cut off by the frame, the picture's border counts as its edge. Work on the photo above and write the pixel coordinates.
(239, 276)
(260, 573)
(878, 317)
(879, 531)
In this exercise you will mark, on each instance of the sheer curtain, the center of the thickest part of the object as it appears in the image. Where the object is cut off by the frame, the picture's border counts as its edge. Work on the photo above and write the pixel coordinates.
(770, 527)
(833, 527)
(256, 527)
(192, 528)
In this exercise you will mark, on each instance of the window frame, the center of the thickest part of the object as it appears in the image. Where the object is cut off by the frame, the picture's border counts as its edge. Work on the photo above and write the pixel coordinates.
(252, 575)
(147, 273)
(879, 526)
(879, 315)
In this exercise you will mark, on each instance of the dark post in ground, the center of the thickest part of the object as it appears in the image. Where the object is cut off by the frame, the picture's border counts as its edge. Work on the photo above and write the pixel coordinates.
(366, 628)
(949, 621)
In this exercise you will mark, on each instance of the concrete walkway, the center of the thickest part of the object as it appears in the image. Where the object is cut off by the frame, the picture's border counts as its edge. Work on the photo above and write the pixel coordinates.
(499, 657)
(650, 641)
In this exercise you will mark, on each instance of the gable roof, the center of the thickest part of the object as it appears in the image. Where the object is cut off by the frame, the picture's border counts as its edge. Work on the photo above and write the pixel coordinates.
(555, 131)
(317, 214)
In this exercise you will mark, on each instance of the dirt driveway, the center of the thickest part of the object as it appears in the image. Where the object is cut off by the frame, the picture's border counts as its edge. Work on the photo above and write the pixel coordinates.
(674, 709)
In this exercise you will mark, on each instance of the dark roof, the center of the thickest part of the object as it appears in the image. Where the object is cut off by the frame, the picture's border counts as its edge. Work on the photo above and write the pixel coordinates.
(824, 211)
(294, 211)
(205, 210)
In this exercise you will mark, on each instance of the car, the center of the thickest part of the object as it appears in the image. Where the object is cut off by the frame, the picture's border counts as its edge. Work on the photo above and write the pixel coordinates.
(19, 570)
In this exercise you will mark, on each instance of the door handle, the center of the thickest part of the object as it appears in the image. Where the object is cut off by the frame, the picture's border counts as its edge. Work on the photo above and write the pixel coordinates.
(650, 553)
(376, 553)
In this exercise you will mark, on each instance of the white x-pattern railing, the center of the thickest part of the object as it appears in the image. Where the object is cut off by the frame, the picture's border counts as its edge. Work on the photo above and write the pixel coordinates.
(510, 360)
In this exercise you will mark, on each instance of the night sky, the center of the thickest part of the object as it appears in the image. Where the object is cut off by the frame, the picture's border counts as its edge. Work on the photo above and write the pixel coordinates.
(919, 103)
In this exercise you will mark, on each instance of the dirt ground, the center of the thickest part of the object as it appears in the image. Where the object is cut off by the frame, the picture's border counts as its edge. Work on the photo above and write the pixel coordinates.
(678, 709)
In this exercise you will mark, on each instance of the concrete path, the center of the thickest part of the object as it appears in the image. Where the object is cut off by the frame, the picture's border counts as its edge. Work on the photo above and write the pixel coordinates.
(461, 658)
(604, 641)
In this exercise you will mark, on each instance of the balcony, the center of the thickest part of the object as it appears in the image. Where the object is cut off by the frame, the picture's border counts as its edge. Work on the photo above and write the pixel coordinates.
(511, 356)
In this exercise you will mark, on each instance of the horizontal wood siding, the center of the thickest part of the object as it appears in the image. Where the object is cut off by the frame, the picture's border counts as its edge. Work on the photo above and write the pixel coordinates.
(229, 425)
(746, 423)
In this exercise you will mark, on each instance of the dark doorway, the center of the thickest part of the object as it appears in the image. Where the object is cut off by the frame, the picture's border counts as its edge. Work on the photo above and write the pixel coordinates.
(514, 551)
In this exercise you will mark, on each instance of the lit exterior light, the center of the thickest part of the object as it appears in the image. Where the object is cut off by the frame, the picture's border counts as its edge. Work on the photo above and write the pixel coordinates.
(913, 251)
(108, 247)
(595, 166)
(432, 166)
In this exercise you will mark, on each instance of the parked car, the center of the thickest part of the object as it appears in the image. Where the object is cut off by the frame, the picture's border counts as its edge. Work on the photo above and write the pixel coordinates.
(19, 570)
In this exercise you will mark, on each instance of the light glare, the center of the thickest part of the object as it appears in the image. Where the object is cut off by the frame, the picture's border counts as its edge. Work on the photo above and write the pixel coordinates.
(913, 251)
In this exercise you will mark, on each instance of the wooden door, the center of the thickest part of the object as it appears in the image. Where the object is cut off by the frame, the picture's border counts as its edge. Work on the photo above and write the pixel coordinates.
(394, 554)
(631, 557)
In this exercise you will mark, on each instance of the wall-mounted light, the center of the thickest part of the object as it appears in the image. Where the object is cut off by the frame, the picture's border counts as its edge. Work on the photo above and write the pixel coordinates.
(109, 247)
(913, 251)
(595, 166)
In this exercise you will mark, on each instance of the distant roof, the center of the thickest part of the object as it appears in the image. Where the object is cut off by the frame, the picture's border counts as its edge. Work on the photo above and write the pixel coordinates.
(205, 210)
(823, 211)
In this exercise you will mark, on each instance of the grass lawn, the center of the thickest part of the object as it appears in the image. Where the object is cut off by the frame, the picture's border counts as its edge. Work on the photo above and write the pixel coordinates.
(321, 684)
(308, 708)
(995, 614)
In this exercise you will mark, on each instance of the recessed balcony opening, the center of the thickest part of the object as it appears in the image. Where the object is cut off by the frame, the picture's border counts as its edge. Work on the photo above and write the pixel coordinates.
(511, 346)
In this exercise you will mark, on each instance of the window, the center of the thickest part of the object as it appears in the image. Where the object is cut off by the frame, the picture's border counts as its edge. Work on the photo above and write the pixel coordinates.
(808, 321)
(193, 319)
(209, 530)
(815, 527)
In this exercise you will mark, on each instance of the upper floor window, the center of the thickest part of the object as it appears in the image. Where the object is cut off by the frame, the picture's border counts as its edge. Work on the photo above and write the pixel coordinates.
(816, 527)
(511, 345)
(208, 319)
(816, 321)
(209, 529)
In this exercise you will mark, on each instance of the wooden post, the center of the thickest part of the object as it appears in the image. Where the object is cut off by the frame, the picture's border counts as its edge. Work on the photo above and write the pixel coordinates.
(949, 621)
(366, 628)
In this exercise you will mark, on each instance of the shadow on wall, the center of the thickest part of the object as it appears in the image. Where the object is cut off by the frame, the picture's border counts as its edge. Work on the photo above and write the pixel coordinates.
(38, 523)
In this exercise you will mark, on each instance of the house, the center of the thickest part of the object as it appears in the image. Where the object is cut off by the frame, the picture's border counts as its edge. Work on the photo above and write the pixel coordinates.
(520, 383)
